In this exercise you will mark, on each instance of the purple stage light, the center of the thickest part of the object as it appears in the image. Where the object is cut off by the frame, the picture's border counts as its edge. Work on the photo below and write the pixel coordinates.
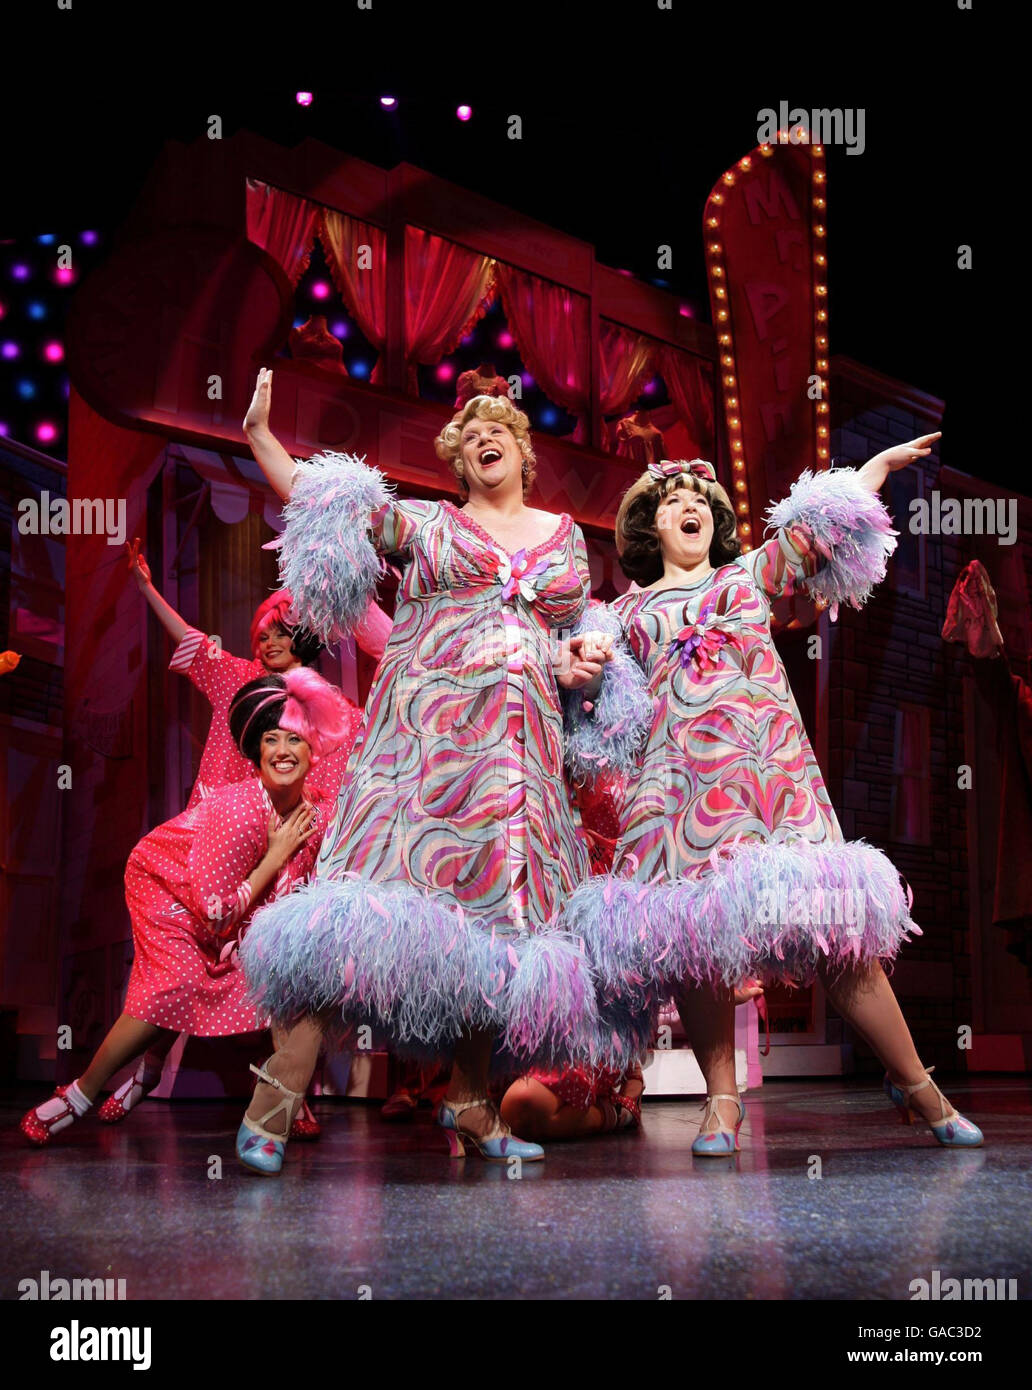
(54, 352)
(20, 271)
(5, 429)
(3, 309)
(304, 98)
(527, 379)
(388, 103)
(10, 351)
(88, 238)
(650, 387)
(340, 329)
(464, 113)
(320, 289)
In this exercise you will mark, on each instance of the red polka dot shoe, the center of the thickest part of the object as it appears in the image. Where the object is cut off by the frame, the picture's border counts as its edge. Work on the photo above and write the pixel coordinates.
(305, 1126)
(129, 1094)
(41, 1123)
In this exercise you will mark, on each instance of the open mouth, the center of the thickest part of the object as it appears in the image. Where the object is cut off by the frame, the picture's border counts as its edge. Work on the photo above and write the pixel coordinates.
(284, 765)
(490, 456)
(691, 526)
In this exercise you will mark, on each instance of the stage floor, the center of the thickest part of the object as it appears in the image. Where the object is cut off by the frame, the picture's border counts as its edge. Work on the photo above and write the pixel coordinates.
(379, 1206)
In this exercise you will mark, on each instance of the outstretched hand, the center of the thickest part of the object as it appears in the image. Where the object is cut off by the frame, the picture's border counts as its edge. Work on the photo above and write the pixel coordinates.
(257, 417)
(138, 566)
(877, 469)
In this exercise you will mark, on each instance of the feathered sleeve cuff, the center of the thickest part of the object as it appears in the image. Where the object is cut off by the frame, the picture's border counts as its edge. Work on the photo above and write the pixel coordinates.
(849, 529)
(610, 736)
(327, 558)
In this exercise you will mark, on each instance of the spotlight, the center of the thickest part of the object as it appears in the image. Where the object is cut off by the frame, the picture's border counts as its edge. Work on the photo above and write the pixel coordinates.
(505, 339)
(54, 352)
(389, 103)
(46, 433)
(88, 238)
(445, 371)
(320, 289)
(303, 98)
(464, 113)
(10, 351)
(64, 275)
(20, 271)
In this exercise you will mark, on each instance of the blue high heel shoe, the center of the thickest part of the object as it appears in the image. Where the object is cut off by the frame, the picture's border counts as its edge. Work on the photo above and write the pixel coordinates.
(952, 1130)
(256, 1147)
(499, 1148)
(714, 1139)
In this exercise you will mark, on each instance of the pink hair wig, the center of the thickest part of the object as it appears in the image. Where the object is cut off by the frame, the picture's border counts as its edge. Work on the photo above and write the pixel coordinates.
(315, 710)
(271, 612)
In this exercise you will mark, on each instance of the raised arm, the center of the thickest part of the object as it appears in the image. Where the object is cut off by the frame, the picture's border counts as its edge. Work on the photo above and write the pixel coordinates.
(269, 453)
(170, 620)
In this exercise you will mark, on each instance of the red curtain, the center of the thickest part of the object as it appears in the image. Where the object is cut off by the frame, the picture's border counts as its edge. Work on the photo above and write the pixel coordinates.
(691, 391)
(625, 361)
(551, 326)
(363, 290)
(447, 289)
(283, 225)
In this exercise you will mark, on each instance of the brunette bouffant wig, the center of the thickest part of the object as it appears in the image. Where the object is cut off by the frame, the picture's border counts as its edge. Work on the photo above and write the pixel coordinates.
(637, 540)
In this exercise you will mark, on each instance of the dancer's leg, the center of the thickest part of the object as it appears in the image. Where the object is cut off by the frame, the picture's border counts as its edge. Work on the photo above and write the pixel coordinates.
(863, 996)
(127, 1039)
(535, 1112)
(293, 1063)
(469, 1081)
(708, 1016)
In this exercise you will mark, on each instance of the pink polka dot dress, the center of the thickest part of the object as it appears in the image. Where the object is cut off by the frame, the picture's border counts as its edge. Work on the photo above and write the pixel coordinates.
(190, 903)
(218, 675)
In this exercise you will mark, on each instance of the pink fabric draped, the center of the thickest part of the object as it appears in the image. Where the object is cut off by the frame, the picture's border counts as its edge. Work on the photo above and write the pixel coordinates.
(625, 361)
(282, 224)
(691, 391)
(447, 289)
(363, 289)
(551, 326)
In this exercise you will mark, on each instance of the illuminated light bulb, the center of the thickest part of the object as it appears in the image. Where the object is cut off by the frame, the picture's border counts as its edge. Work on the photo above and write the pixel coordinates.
(738, 463)
(821, 260)
(818, 149)
(822, 453)
(725, 338)
(717, 197)
(46, 433)
(712, 221)
(818, 178)
(320, 289)
(303, 98)
(729, 177)
(722, 315)
(445, 371)
(464, 113)
(746, 528)
(727, 360)
(745, 163)
(822, 364)
(740, 484)
(733, 402)
(63, 275)
(736, 444)
(818, 230)
(717, 271)
(822, 314)
(822, 407)
(818, 202)
(734, 422)
(821, 289)
(388, 103)
(743, 506)
(822, 430)
(766, 151)
(822, 342)
(714, 246)
(729, 381)
(53, 352)
(720, 293)
(504, 339)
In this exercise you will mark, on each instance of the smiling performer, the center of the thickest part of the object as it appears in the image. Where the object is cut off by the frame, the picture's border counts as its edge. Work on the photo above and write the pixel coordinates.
(193, 883)
(731, 862)
(455, 841)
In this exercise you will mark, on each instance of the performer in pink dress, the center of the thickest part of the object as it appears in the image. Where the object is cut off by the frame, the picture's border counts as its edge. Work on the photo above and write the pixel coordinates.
(731, 862)
(277, 645)
(193, 884)
(455, 841)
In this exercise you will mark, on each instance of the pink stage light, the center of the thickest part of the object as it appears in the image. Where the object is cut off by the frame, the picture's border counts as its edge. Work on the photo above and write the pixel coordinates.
(5, 429)
(304, 98)
(20, 271)
(10, 351)
(54, 352)
(445, 371)
(505, 340)
(320, 289)
(388, 103)
(46, 433)
(650, 387)
(3, 309)
(686, 311)
(464, 113)
(64, 275)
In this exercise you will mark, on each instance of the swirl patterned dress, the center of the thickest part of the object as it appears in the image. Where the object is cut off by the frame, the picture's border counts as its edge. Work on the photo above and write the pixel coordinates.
(730, 860)
(456, 840)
